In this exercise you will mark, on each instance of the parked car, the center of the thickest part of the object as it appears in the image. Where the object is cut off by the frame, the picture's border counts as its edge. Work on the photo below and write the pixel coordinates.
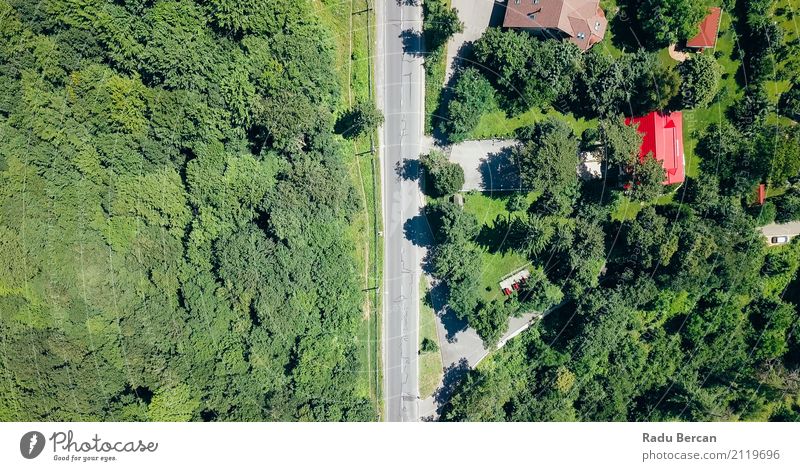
(780, 239)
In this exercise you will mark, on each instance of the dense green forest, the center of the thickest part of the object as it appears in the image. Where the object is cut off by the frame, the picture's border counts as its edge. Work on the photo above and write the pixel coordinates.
(172, 204)
(668, 303)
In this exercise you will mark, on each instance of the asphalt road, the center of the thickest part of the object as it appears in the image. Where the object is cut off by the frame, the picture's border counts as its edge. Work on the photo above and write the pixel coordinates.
(400, 87)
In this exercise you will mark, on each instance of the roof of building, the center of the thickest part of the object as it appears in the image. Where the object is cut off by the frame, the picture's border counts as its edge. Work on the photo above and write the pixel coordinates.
(583, 21)
(589, 165)
(709, 27)
(662, 134)
(509, 282)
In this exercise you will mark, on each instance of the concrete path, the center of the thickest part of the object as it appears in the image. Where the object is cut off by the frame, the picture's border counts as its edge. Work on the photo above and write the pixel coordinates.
(487, 165)
(679, 56)
(462, 349)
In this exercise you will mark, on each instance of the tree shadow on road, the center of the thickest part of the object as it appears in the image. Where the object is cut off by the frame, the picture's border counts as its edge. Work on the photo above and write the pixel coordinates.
(453, 374)
(409, 169)
(418, 231)
(413, 42)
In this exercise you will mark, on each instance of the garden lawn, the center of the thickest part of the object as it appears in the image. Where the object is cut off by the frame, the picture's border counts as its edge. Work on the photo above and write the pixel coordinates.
(430, 364)
(497, 124)
(352, 36)
(695, 122)
(785, 14)
(496, 264)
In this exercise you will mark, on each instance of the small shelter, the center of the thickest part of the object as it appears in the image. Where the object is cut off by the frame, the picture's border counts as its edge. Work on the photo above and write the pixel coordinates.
(513, 282)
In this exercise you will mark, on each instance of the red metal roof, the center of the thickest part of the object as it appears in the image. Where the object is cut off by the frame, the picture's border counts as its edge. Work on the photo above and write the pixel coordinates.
(709, 28)
(663, 136)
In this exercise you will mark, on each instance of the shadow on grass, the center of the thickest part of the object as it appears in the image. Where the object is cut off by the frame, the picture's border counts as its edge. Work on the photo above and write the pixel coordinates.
(453, 374)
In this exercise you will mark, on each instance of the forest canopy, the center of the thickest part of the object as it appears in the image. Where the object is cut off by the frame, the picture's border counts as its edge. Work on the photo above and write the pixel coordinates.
(170, 228)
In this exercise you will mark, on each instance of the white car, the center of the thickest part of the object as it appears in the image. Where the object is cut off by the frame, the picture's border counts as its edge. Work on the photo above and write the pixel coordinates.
(780, 239)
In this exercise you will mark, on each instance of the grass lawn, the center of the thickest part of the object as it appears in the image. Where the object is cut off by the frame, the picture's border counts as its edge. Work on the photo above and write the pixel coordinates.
(785, 13)
(496, 124)
(487, 206)
(352, 36)
(430, 364)
(628, 209)
(695, 122)
(499, 264)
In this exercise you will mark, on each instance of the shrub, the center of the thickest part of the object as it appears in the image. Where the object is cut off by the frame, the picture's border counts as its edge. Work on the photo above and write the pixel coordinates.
(442, 177)
(473, 96)
(701, 76)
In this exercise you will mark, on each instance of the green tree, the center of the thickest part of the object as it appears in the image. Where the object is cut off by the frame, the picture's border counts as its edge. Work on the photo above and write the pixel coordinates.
(779, 147)
(451, 223)
(526, 72)
(650, 239)
(668, 21)
(442, 177)
(789, 103)
(360, 121)
(176, 404)
(176, 173)
(550, 158)
(531, 235)
(439, 23)
(428, 346)
(648, 177)
(490, 321)
(700, 80)
(622, 142)
(788, 207)
(473, 96)
(654, 83)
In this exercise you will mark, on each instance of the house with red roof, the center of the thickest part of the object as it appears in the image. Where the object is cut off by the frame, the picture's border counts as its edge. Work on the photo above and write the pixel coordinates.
(709, 30)
(581, 22)
(662, 134)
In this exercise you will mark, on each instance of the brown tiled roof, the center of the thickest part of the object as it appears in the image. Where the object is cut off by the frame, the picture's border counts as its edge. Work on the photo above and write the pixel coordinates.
(582, 21)
(709, 28)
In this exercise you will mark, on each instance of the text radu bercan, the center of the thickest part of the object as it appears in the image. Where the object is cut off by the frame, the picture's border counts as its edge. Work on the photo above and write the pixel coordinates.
(677, 438)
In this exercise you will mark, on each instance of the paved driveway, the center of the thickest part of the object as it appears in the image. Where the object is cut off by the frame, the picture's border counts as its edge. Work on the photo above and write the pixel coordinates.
(487, 165)
(477, 15)
(790, 229)
(461, 348)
